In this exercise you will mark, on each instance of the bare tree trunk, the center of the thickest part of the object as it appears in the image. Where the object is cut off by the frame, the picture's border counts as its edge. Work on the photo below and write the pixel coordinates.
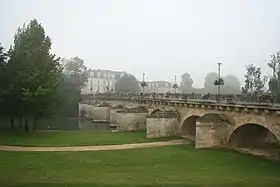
(34, 124)
(12, 123)
(26, 124)
(20, 122)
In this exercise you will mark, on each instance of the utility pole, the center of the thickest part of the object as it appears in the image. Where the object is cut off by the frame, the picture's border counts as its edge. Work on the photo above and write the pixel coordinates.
(143, 83)
(91, 85)
(219, 85)
(175, 85)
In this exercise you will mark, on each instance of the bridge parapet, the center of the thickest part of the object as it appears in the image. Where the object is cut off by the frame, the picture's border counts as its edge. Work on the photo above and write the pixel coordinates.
(239, 107)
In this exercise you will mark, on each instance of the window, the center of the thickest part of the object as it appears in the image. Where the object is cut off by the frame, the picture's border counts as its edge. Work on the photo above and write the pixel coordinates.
(91, 74)
(104, 75)
(122, 74)
(98, 74)
(156, 84)
(166, 84)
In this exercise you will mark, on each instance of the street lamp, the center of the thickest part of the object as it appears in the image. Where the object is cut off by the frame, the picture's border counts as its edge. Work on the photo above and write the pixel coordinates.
(219, 82)
(143, 83)
(108, 86)
(175, 86)
(91, 85)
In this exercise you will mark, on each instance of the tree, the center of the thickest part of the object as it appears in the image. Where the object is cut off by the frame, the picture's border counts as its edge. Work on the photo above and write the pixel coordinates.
(76, 70)
(36, 74)
(127, 83)
(254, 81)
(274, 82)
(209, 82)
(186, 83)
(3, 85)
(231, 85)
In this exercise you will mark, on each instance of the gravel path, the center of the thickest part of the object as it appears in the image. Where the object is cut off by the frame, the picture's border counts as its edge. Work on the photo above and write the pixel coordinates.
(91, 148)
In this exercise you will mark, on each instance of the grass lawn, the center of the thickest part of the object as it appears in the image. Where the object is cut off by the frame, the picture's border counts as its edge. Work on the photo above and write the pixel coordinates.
(175, 166)
(75, 138)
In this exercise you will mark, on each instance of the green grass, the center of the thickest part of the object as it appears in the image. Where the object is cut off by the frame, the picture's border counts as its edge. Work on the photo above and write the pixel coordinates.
(175, 166)
(75, 138)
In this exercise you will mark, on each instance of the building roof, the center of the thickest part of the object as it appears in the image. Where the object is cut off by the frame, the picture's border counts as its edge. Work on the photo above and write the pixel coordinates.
(158, 84)
(109, 74)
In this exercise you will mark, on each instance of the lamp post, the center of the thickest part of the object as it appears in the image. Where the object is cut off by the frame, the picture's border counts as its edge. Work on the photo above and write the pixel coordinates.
(175, 86)
(143, 83)
(91, 85)
(108, 86)
(219, 83)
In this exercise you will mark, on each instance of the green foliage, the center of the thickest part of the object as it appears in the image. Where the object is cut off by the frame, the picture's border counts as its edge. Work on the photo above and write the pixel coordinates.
(209, 82)
(127, 83)
(254, 81)
(187, 82)
(32, 76)
(219, 81)
(231, 85)
(76, 71)
(75, 76)
(3, 85)
(274, 82)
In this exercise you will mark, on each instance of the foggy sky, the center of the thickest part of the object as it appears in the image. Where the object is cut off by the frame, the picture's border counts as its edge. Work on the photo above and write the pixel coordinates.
(162, 38)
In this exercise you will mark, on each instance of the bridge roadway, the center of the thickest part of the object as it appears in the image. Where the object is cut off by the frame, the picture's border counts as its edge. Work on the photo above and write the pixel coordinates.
(211, 124)
(190, 101)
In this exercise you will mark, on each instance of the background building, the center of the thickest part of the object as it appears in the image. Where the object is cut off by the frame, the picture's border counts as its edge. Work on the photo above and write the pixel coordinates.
(99, 80)
(159, 86)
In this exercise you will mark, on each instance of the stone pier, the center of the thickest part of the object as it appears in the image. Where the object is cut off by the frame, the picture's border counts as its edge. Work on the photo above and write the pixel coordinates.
(162, 124)
(132, 119)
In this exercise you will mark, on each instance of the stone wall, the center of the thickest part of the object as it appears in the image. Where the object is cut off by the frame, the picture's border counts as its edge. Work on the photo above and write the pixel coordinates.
(114, 116)
(86, 110)
(161, 127)
(211, 133)
(100, 113)
(131, 121)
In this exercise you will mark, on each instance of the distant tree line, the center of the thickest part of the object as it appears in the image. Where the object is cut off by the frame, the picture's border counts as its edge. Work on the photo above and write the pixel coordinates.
(231, 84)
(255, 80)
(33, 82)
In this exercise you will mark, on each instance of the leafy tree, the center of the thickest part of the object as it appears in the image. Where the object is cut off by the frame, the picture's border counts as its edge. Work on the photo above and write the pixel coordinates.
(75, 75)
(186, 83)
(231, 85)
(127, 83)
(254, 81)
(274, 82)
(76, 71)
(209, 82)
(69, 98)
(3, 85)
(36, 74)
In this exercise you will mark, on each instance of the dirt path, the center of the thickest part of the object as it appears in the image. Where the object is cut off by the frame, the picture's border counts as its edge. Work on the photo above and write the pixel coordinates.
(92, 148)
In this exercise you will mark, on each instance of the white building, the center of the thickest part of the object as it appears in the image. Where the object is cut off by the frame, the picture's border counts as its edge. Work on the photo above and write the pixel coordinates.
(158, 87)
(100, 81)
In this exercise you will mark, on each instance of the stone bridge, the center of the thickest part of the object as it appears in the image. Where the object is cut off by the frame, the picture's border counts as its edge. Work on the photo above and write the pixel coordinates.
(215, 124)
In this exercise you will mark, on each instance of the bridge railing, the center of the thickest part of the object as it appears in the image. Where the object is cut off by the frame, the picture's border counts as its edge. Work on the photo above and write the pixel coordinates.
(213, 98)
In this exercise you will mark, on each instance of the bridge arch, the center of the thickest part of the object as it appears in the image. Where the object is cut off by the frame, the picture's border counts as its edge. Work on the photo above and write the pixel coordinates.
(253, 135)
(188, 127)
(154, 111)
(188, 124)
